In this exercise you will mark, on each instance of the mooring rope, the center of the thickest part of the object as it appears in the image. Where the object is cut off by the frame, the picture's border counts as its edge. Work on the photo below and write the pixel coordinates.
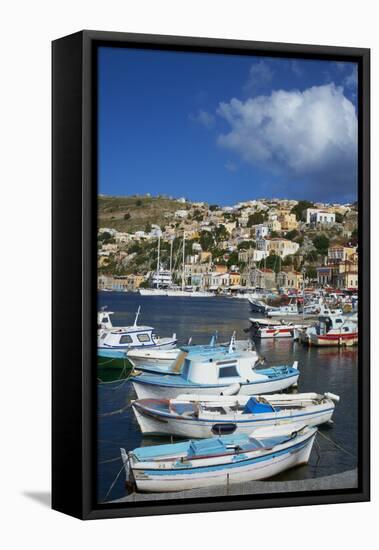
(117, 411)
(336, 445)
(124, 380)
(113, 483)
(106, 362)
(117, 458)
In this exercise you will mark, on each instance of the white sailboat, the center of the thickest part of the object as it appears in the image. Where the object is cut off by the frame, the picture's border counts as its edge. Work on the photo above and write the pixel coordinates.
(155, 290)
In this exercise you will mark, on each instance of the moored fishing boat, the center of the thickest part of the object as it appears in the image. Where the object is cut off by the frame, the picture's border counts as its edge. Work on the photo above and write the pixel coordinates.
(331, 330)
(164, 361)
(291, 309)
(134, 336)
(201, 416)
(218, 461)
(266, 328)
(214, 371)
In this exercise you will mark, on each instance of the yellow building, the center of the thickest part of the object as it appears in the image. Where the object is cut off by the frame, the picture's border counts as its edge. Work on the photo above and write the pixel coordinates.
(205, 257)
(134, 281)
(220, 268)
(339, 253)
(274, 225)
(295, 279)
(288, 221)
(282, 247)
(235, 278)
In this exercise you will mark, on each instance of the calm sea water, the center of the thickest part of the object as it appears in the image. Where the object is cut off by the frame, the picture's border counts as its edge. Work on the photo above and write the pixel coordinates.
(322, 369)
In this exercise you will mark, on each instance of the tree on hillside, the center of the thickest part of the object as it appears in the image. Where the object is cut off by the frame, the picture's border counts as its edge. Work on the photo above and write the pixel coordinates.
(213, 207)
(311, 256)
(233, 259)
(221, 233)
(288, 260)
(321, 244)
(291, 235)
(271, 262)
(256, 218)
(310, 273)
(206, 240)
(299, 209)
(339, 217)
(105, 236)
(245, 245)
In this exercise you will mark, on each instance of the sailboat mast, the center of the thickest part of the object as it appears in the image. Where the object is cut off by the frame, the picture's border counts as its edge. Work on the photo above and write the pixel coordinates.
(171, 246)
(158, 259)
(184, 248)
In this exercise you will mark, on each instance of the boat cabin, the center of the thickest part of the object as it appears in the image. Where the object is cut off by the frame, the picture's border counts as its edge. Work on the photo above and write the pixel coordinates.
(218, 367)
(126, 337)
(332, 323)
(104, 320)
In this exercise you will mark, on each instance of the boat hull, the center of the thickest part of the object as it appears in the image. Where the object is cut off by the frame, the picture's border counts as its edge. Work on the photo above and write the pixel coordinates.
(146, 390)
(274, 333)
(333, 340)
(153, 423)
(241, 471)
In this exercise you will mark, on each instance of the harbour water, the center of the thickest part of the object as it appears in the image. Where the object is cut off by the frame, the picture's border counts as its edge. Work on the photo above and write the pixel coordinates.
(322, 369)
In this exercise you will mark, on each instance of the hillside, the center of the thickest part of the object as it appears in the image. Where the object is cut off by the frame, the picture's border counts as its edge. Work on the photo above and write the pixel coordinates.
(133, 213)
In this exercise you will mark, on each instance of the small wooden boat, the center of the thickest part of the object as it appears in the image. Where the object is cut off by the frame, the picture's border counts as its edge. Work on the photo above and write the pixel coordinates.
(218, 461)
(202, 416)
(213, 371)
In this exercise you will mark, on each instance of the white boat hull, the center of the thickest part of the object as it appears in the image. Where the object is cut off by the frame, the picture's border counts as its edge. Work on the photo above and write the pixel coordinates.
(183, 481)
(203, 428)
(333, 340)
(146, 390)
(159, 357)
(152, 292)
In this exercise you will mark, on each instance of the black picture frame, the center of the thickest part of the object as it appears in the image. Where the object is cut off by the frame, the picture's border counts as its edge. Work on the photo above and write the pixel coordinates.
(74, 203)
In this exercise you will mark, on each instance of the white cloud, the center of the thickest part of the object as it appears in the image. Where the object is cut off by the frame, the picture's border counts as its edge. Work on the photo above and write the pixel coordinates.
(296, 67)
(230, 166)
(260, 75)
(351, 80)
(203, 117)
(308, 134)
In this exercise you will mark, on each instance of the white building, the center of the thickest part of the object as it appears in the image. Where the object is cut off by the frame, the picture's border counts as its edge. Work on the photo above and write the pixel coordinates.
(319, 215)
(262, 244)
(181, 214)
(322, 217)
(261, 231)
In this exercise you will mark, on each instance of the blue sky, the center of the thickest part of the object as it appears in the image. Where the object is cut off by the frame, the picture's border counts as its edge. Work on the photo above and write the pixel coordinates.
(222, 129)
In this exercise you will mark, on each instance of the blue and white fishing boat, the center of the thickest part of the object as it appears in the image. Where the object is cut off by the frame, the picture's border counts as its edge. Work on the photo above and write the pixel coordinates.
(130, 337)
(201, 416)
(218, 461)
(215, 371)
(165, 361)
